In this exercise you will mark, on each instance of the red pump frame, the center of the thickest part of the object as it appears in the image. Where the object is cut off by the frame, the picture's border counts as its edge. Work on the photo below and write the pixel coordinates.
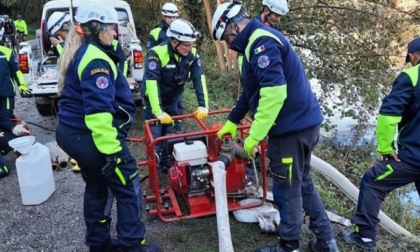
(153, 194)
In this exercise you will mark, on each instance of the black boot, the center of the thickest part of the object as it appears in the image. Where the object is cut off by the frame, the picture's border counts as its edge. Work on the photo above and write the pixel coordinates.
(282, 246)
(111, 246)
(150, 247)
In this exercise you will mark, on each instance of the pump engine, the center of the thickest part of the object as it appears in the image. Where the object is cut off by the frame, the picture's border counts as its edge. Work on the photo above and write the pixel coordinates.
(187, 191)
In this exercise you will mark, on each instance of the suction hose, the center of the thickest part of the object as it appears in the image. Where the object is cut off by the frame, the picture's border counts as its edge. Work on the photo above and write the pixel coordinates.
(229, 150)
(222, 212)
(333, 175)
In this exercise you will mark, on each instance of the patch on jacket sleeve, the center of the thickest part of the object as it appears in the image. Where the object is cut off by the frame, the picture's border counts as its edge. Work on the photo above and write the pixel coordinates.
(102, 82)
(152, 65)
(99, 70)
(150, 58)
(263, 61)
(259, 49)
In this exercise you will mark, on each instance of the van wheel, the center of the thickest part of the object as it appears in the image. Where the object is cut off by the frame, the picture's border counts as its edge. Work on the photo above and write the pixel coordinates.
(46, 106)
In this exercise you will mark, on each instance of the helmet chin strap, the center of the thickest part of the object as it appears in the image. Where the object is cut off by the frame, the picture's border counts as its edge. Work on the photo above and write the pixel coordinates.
(176, 48)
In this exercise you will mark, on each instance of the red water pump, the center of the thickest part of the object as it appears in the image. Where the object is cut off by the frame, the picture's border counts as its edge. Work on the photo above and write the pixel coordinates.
(187, 190)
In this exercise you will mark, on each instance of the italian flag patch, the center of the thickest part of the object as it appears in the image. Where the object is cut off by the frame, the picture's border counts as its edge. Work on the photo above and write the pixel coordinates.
(259, 49)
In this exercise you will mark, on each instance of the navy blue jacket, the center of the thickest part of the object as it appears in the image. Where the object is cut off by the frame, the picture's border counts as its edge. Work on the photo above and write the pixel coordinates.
(272, 61)
(157, 35)
(163, 65)
(403, 102)
(8, 68)
(95, 92)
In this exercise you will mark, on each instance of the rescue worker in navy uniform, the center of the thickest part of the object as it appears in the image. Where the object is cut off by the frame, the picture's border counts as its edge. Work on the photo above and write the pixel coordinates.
(158, 34)
(8, 130)
(272, 12)
(96, 112)
(9, 73)
(58, 25)
(278, 96)
(399, 167)
(167, 69)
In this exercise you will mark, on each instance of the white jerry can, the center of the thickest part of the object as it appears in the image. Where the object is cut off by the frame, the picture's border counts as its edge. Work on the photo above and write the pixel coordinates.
(36, 180)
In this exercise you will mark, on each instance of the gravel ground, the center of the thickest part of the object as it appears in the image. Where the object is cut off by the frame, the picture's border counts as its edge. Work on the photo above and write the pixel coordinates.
(55, 225)
(58, 225)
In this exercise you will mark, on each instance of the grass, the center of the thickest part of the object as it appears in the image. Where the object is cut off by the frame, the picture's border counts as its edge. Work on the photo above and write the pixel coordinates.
(200, 234)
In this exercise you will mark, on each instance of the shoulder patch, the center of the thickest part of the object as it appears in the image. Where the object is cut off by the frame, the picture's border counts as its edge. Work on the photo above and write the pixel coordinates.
(99, 70)
(148, 44)
(152, 65)
(263, 61)
(153, 58)
(102, 82)
(259, 49)
(199, 62)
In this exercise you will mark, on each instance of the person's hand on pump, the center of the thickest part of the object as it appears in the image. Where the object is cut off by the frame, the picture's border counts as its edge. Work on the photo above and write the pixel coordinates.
(111, 164)
(20, 129)
(250, 145)
(201, 112)
(24, 90)
(164, 118)
(228, 128)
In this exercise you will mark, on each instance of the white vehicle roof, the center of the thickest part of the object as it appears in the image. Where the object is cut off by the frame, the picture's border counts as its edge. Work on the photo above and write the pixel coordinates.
(65, 5)
(76, 3)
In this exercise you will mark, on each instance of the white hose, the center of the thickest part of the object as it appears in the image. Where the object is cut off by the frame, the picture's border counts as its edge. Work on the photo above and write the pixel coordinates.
(338, 179)
(222, 212)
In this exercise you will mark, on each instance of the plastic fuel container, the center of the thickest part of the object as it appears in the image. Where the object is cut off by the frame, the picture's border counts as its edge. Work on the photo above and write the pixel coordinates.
(36, 180)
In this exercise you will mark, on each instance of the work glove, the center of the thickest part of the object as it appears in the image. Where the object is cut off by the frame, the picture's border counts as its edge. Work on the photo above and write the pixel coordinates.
(164, 118)
(250, 145)
(111, 164)
(228, 128)
(24, 90)
(20, 129)
(391, 155)
(201, 112)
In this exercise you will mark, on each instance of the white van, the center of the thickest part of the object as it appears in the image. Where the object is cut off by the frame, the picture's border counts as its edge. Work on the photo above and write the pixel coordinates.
(38, 64)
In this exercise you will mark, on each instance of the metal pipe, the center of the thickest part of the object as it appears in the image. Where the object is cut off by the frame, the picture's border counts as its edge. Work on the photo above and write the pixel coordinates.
(54, 165)
(63, 164)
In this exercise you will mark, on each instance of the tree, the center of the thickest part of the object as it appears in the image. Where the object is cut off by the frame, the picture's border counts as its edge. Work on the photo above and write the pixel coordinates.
(351, 47)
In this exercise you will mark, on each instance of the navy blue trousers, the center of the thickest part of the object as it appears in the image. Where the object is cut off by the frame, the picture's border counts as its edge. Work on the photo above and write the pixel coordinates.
(376, 184)
(293, 188)
(80, 146)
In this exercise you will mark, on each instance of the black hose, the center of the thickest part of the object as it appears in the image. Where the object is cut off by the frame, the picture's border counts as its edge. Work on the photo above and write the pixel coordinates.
(40, 126)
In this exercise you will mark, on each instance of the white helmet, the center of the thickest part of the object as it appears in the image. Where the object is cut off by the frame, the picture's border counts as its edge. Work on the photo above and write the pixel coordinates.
(56, 21)
(182, 30)
(222, 15)
(277, 6)
(93, 12)
(170, 10)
